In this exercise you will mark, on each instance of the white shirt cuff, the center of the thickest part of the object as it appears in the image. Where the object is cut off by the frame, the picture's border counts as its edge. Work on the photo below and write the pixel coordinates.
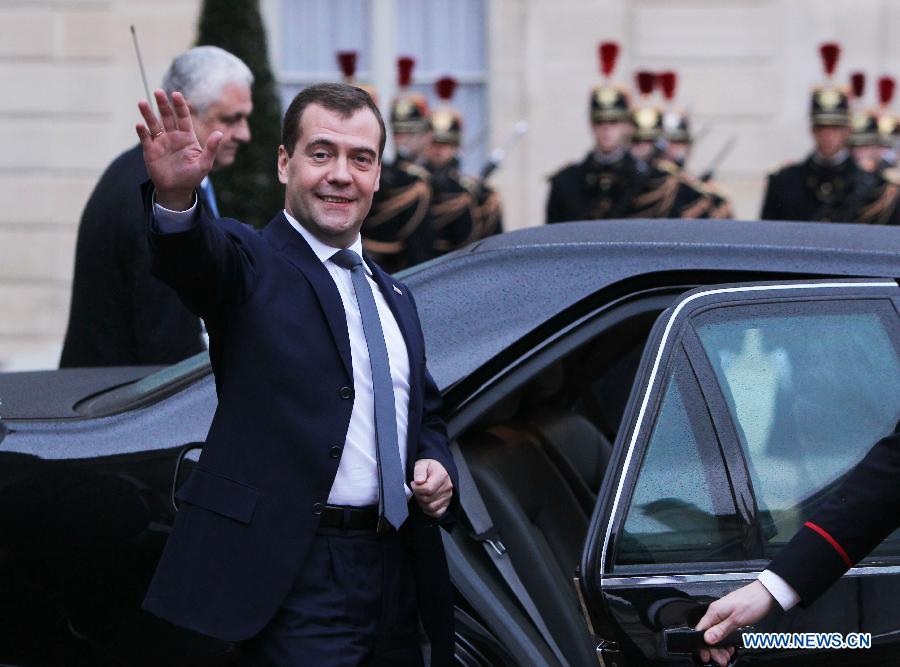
(780, 589)
(166, 221)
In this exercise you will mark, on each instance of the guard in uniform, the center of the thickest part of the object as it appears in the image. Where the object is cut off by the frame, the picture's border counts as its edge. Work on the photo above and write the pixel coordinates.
(605, 184)
(670, 193)
(884, 207)
(454, 209)
(397, 231)
(677, 143)
(611, 182)
(828, 185)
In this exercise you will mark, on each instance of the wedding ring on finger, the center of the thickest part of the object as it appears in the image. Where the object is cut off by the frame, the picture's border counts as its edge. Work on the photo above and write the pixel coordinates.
(153, 135)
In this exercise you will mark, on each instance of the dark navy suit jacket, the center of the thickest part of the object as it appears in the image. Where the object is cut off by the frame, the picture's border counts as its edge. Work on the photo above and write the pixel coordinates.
(280, 354)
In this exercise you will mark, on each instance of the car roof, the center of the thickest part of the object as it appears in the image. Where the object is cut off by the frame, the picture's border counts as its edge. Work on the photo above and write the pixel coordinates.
(476, 302)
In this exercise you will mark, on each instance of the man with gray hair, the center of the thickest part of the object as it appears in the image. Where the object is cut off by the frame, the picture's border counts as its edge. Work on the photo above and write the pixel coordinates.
(120, 314)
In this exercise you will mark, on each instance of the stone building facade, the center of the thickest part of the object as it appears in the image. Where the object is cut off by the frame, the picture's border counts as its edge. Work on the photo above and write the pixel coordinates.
(70, 84)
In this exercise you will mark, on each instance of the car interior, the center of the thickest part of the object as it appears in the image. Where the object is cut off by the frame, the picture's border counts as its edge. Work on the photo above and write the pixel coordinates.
(539, 455)
(540, 448)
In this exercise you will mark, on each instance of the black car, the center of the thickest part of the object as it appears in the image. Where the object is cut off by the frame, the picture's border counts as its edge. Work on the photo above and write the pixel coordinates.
(645, 411)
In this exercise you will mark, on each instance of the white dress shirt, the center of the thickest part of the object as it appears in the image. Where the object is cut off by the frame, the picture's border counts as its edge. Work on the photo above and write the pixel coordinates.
(356, 482)
(781, 590)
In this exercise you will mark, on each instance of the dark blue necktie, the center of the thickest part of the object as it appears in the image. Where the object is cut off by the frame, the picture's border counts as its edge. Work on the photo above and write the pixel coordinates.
(392, 497)
(209, 194)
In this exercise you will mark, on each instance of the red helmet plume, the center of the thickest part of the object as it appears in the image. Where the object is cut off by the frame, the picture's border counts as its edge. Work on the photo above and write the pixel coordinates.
(886, 87)
(646, 81)
(609, 53)
(405, 65)
(445, 87)
(858, 84)
(347, 63)
(668, 82)
(830, 52)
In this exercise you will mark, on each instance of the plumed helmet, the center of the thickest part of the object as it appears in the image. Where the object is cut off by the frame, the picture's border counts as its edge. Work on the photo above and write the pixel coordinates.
(830, 103)
(609, 102)
(409, 110)
(445, 121)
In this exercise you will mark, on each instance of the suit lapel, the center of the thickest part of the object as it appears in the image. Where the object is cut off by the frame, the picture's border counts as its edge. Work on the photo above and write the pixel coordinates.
(297, 251)
(401, 310)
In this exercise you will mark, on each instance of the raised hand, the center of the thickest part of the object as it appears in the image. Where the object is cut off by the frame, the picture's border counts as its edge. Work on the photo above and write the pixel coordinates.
(175, 160)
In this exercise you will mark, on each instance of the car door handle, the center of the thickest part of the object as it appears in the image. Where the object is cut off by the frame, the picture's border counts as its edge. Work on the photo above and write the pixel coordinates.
(685, 640)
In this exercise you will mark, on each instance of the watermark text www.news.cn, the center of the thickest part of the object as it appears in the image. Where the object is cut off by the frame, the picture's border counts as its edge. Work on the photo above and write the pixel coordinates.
(807, 640)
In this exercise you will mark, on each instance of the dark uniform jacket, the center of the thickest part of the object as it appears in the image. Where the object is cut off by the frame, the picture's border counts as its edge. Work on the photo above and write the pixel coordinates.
(280, 355)
(120, 314)
(812, 191)
(716, 205)
(397, 231)
(624, 188)
(862, 512)
(488, 207)
(454, 210)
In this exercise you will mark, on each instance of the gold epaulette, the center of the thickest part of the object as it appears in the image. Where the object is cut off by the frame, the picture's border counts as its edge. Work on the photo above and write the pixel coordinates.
(416, 170)
(710, 188)
(668, 166)
(891, 175)
(469, 183)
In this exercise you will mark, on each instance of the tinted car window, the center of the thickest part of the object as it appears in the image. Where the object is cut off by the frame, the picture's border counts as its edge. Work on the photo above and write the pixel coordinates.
(681, 509)
(811, 386)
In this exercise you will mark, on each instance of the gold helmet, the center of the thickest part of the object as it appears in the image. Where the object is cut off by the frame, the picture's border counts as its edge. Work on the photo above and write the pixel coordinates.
(409, 110)
(347, 63)
(676, 125)
(830, 103)
(609, 102)
(646, 117)
(863, 128)
(863, 122)
(445, 121)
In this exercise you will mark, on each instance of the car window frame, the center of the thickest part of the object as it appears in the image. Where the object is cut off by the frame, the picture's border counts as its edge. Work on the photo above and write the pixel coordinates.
(715, 393)
(608, 520)
(690, 385)
(736, 466)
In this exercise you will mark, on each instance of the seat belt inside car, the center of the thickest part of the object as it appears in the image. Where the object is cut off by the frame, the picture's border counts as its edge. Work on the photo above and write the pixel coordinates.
(486, 533)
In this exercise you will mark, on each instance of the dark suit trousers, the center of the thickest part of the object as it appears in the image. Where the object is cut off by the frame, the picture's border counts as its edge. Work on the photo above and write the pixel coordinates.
(353, 603)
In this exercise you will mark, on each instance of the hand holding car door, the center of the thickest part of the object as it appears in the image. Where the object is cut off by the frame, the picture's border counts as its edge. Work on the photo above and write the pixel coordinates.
(176, 161)
(744, 606)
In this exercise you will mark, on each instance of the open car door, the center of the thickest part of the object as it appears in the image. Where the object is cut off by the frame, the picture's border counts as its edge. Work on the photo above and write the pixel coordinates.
(751, 403)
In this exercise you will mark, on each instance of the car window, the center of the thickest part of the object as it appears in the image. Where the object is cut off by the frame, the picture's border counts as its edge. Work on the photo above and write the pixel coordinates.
(811, 386)
(682, 509)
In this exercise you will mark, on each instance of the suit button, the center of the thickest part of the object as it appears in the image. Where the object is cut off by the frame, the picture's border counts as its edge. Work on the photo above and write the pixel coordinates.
(336, 451)
(346, 393)
(318, 508)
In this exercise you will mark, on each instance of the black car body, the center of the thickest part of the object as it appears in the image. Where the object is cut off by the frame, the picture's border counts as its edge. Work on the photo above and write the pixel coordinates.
(649, 410)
